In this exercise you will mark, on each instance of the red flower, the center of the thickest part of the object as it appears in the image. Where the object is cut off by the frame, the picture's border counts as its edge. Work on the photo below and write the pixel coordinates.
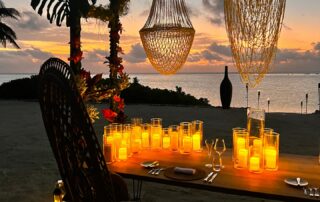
(116, 98)
(121, 105)
(109, 115)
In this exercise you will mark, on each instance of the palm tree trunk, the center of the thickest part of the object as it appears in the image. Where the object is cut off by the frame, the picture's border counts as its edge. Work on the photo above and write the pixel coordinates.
(75, 36)
(114, 41)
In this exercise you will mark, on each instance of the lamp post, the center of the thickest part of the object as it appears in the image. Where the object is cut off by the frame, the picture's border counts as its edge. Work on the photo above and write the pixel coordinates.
(259, 99)
(307, 103)
(301, 104)
(247, 96)
(268, 104)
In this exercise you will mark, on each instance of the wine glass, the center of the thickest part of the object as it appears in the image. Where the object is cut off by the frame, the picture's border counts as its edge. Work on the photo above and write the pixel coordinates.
(209, 145)
(219, 148)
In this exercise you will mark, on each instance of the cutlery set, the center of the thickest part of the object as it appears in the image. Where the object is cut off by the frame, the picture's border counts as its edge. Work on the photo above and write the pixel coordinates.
(210, 177)
(312, 192)
(155, 171)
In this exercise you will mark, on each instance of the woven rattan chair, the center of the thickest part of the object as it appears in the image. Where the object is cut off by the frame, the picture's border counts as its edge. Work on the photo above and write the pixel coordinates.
(72, 137)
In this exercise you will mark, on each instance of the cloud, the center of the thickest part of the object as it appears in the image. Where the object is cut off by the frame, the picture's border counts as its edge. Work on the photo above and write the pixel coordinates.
(214, 11)
(220, 49)
(136, 54)
(23, 61)
(32, 21)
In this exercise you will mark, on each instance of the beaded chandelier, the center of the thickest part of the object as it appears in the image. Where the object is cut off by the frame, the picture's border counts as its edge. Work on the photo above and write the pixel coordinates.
(253, 29)
(167, 36)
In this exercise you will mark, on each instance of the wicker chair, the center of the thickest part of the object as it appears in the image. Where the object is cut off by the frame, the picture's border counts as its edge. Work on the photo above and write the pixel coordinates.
(72, 137)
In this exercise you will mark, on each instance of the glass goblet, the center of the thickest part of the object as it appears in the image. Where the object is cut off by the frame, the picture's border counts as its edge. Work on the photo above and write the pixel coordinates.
(209, 145)
(219, 148)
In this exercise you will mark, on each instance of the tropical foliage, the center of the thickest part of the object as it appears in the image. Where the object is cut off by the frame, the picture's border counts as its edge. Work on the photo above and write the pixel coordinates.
(6, 33)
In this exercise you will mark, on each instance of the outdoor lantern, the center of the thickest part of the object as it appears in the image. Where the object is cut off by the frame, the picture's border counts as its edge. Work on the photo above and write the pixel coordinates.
(253, 29)
(167, 36)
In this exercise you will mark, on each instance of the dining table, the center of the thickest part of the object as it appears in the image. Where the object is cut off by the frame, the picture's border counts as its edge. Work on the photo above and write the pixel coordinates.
(267, 184)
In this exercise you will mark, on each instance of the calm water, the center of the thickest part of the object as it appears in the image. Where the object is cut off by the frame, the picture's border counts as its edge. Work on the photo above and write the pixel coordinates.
(285, 91)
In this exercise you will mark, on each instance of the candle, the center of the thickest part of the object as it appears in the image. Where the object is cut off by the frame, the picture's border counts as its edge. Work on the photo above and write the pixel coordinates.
(166, 142)
(136, 145)
(123, 153)
(271, 158)
(257, 143)
(117, 139)
(174, 141)
(187, 144)
(109, 140)
(243, 158)
(156, 144)
(145, 140)
(241, 143)
(254, 163)
(196, 142)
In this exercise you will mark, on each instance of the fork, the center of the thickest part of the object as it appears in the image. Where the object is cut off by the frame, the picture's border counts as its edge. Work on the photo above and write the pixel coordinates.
(213, 177)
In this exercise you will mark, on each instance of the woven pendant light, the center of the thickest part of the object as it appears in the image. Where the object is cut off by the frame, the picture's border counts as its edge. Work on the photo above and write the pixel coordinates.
(167, 36)
(253, 28)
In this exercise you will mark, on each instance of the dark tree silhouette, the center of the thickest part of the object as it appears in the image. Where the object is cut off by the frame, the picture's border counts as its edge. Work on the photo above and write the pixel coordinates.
(71, 12)
(6, 33)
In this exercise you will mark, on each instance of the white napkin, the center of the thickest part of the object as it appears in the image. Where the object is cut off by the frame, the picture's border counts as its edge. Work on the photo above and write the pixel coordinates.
(187, 171)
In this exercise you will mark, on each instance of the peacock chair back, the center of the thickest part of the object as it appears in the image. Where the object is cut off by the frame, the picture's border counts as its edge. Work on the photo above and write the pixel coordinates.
(71, 135)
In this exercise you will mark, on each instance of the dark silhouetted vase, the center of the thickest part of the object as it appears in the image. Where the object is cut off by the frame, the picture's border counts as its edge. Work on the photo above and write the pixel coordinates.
(226, 90)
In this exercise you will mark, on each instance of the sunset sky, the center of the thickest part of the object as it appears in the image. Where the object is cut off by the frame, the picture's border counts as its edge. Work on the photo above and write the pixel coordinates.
(299, 44)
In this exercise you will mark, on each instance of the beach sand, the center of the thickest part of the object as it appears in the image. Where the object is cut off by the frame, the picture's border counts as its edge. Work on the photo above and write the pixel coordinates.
(28, 170)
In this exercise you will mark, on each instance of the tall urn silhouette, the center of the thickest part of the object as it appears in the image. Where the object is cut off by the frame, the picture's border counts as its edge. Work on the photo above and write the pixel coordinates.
(226, 90)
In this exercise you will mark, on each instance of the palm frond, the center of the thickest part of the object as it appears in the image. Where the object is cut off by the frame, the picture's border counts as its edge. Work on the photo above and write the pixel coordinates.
(9, 12)
(7, 34)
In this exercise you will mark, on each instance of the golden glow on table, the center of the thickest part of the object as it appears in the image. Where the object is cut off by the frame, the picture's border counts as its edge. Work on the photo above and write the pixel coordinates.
(254, 164)
(270, 158)
(196, 141)
(243, 158)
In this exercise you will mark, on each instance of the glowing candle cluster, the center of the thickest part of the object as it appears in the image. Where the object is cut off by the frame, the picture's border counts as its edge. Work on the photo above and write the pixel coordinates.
(255, 153)
(121, 141)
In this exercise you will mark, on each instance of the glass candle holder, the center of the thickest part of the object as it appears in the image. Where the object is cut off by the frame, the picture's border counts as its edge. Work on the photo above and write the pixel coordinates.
(255, 161)
(126, 136)
(174, 137)
(166, 140)
(271, 151)
(136, 138)
(116, 130)
(108, 148)
(123, 151)
(145, 135)
(185, 138)
(156, 133)
(240, 148)
(255, 122)
(197, 135)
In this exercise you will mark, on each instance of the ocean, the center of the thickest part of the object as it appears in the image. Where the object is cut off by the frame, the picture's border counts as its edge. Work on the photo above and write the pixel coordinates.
(285, 91)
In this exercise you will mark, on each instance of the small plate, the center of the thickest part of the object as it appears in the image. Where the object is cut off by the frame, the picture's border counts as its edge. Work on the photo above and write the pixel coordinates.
(294, 182)
(150, 164)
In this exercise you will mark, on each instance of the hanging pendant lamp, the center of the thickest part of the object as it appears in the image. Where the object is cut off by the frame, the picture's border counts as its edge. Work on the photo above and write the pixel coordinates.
(253, 28)
(167, 36)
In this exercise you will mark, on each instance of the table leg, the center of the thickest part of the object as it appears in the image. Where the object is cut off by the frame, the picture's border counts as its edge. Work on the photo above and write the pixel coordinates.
(137, 187)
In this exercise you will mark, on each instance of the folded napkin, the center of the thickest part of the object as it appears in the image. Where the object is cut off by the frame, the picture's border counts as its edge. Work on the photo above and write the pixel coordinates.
(187, 171)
